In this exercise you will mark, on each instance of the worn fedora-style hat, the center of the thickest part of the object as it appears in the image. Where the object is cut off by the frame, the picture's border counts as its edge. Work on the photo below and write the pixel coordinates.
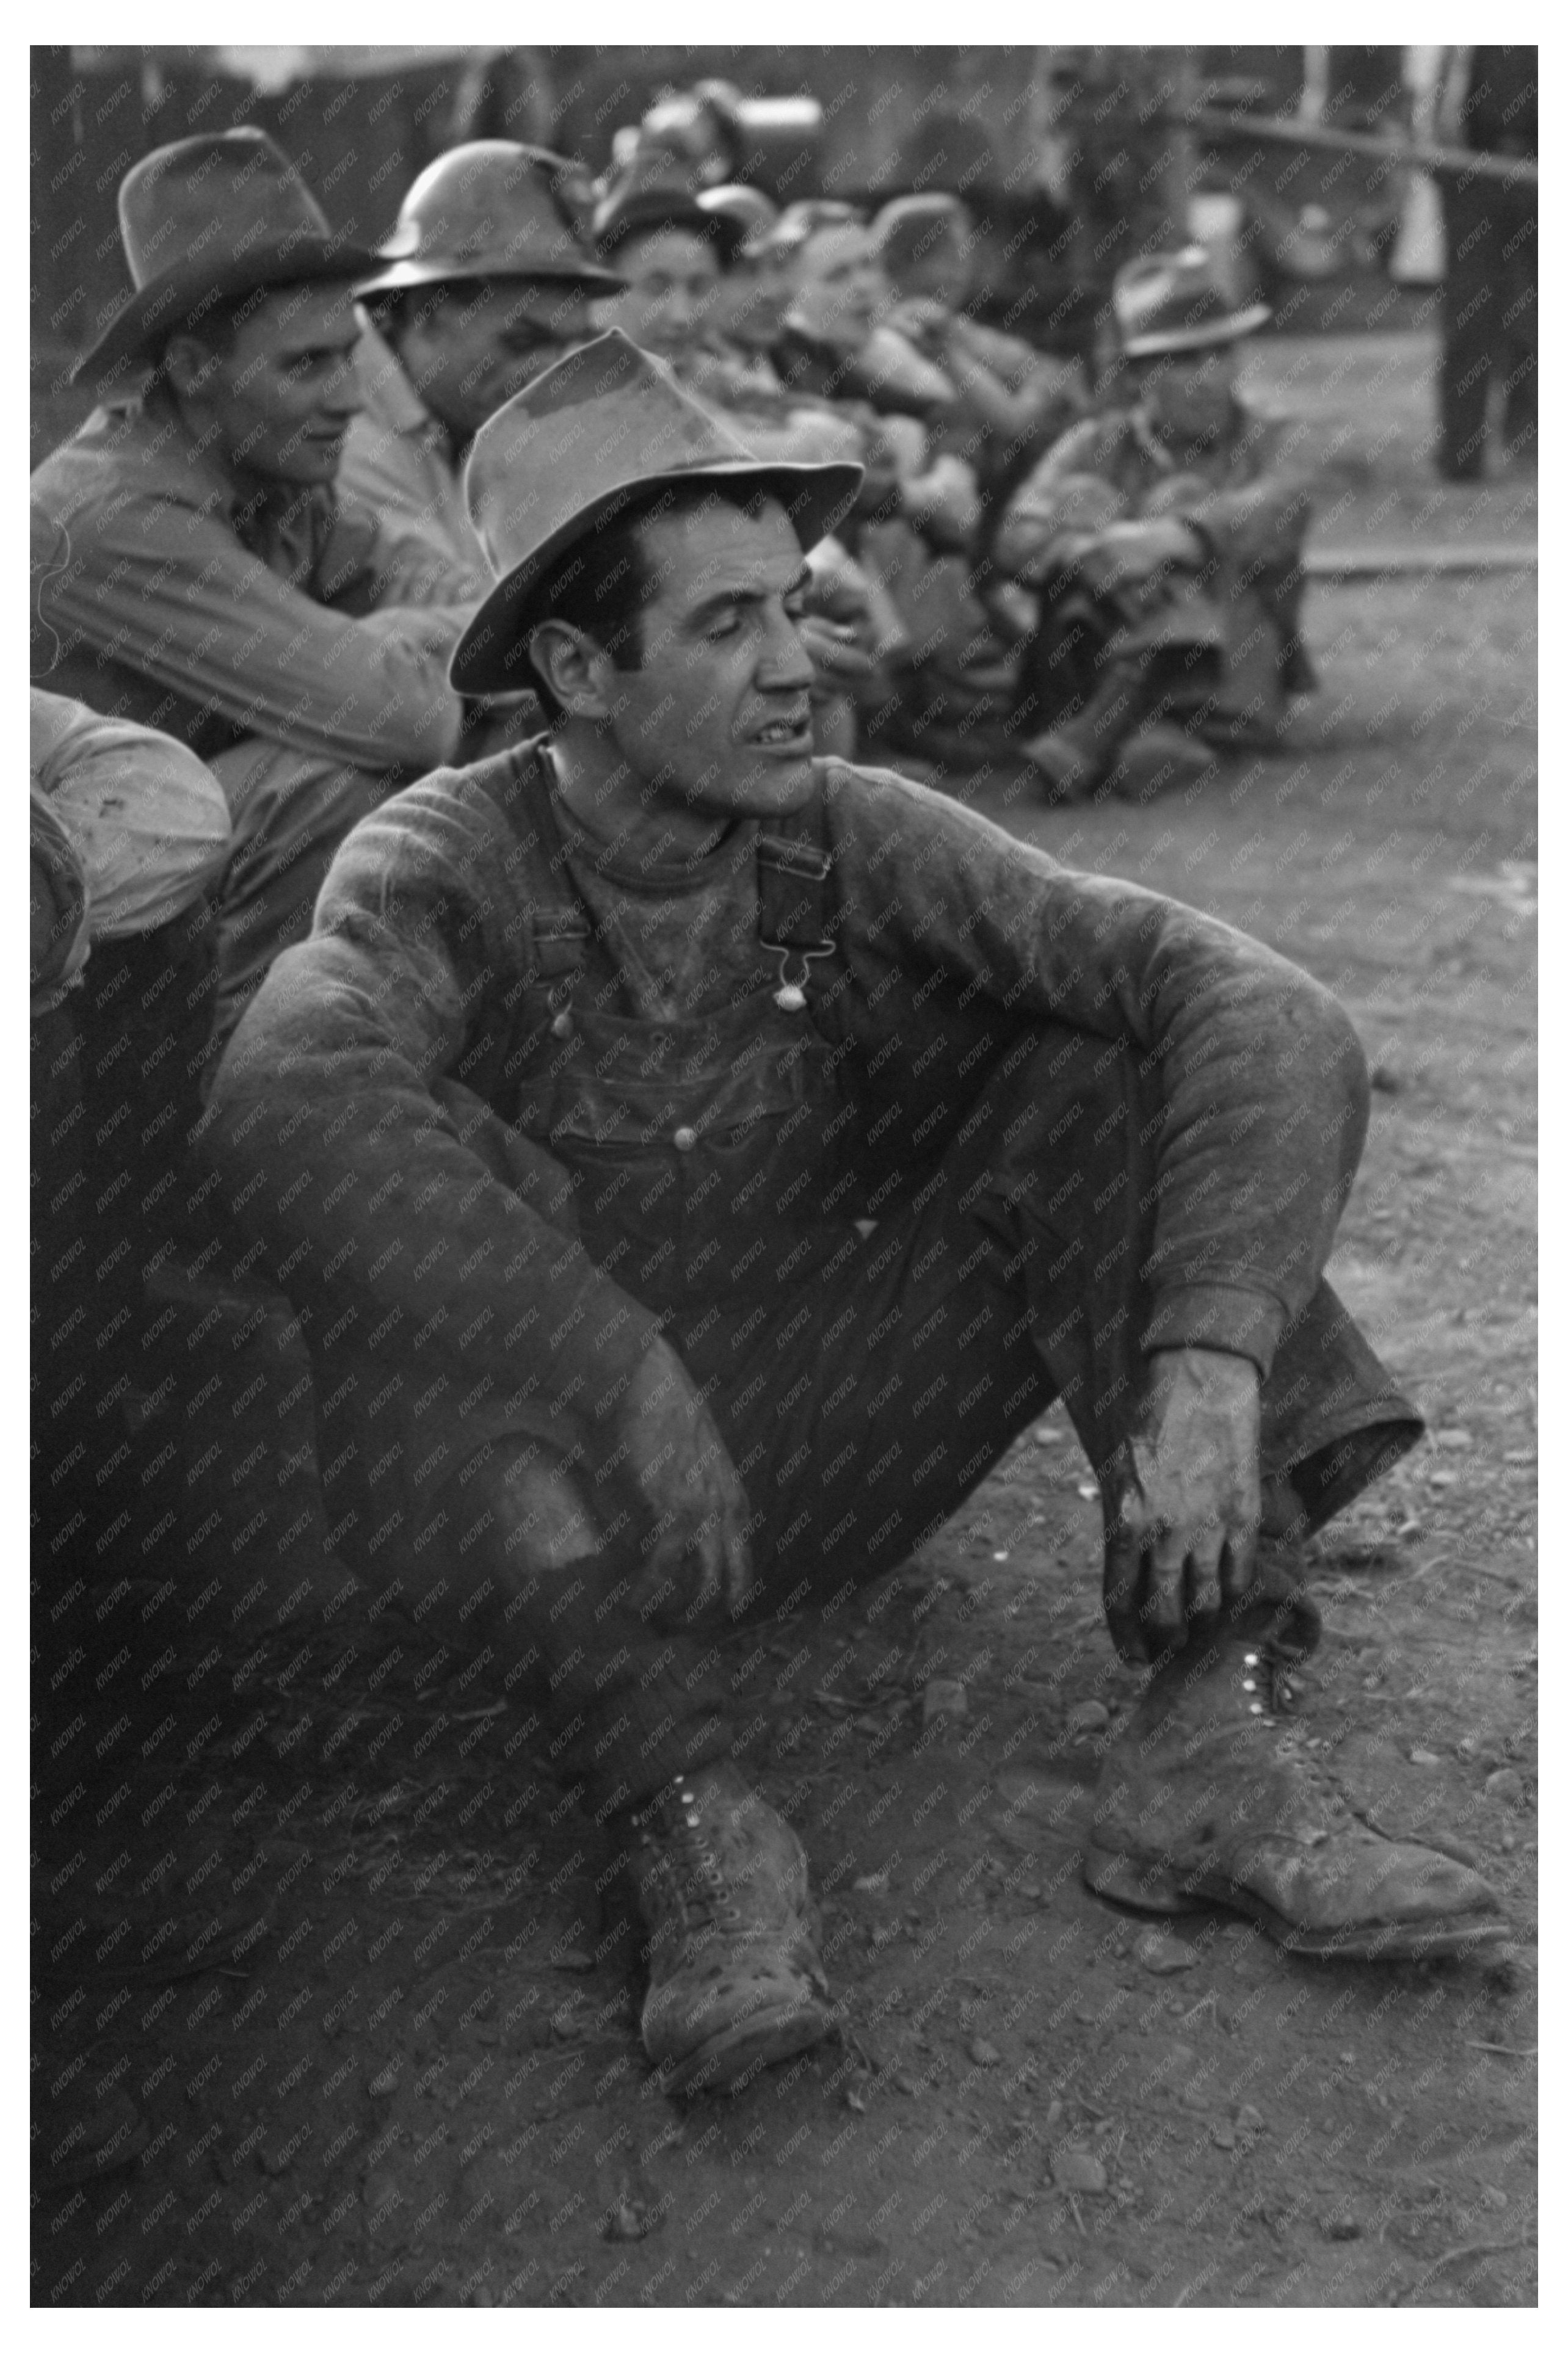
(207, 221)
(489, 209)
(1175, 302)
(603, 427)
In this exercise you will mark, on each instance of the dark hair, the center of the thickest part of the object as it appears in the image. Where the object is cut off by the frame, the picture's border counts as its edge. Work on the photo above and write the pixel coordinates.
(604, 581)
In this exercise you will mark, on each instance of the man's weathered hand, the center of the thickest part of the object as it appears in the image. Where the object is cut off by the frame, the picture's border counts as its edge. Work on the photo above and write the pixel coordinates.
(673, 1470)
(1183, 1502)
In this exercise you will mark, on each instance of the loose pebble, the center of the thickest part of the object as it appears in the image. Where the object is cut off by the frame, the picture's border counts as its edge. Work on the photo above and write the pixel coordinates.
(1163, 1956)
(910, 2086)
(1090, 1494)
(1074, 2168)
(943, 1696)
(1089, 1715)
(1456, 1439)
(1442, 1478)
(1249, 2120)
(871, 1882)
(983, 2052)
(1425, 1757)
(1506, 1786)
(1044, 1435)
(1223, 2136)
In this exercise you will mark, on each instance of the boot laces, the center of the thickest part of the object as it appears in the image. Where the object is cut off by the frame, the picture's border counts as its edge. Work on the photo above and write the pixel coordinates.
(696, 1873)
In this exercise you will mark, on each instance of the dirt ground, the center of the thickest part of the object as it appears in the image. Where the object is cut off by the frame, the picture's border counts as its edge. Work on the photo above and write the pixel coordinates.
(421, 2082)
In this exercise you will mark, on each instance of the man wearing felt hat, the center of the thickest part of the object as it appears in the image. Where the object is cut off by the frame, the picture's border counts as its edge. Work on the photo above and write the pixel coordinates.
(216, 586)
(705, 1158)
(1164, 536)
(483, 284)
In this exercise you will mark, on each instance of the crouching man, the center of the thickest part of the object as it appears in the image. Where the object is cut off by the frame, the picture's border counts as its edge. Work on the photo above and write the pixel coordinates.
(1165, 536)
(567, 1122)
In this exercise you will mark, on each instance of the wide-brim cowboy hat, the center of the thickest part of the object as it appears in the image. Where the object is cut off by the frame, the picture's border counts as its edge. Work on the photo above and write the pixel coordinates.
(489, 209)
(205, 222)
(605, 426)
(1175, 302)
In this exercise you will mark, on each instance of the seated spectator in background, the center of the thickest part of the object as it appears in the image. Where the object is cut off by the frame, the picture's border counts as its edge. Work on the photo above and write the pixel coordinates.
(216, 588)
(670, 255)
(486, 284)
(1165, 537)
(925, 244)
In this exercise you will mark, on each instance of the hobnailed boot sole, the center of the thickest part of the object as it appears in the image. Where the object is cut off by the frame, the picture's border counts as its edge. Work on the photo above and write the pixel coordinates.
(1166, 1891)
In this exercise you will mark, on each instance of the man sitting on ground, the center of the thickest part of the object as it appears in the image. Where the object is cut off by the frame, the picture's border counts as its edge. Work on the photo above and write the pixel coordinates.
(215, 586)
(567, 1123)
(1165, 538)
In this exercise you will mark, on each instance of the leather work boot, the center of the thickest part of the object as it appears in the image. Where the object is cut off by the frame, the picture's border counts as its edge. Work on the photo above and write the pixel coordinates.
(1209, 1795)
(734, 1982)
(1159, 758)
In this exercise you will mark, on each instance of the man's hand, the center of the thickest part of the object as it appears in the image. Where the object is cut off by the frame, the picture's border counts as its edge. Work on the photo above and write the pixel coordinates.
(672, 1470)
(1183, 1502)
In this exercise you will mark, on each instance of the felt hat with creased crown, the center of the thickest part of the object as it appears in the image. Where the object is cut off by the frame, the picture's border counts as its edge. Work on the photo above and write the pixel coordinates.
(1175, 302)
(574, 448)
(210, 220)
(486, 210)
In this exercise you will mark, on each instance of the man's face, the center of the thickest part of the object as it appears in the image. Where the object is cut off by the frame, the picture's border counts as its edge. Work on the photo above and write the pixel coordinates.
(1189, 394)
(717, 720)
(279, 401)
(471, 347)
(754, 299)
(671, 289)
(838, 285)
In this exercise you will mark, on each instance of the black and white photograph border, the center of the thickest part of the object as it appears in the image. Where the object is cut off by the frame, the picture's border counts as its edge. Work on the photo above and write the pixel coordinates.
(782, 1361)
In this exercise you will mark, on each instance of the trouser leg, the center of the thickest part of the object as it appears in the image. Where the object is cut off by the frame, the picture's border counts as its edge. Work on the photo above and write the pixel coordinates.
(1470, 326)
(291, 810)
(863, 1411)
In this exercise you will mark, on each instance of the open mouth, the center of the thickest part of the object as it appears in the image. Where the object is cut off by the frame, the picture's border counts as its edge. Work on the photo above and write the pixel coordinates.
(785, 735)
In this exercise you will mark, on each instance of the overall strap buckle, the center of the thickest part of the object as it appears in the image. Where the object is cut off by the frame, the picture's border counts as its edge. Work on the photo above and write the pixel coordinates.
(795, 910)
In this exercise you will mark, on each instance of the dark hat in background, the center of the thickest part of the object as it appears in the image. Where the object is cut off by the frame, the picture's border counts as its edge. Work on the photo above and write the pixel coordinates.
(604, 426)
(654, 189)
(1175, 302)
(210, 220)
(490, 209)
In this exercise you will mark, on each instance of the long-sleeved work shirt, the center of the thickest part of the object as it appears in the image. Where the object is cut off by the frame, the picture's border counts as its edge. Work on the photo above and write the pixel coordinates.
(189, 605)
(366, 1201)
(1117, 467)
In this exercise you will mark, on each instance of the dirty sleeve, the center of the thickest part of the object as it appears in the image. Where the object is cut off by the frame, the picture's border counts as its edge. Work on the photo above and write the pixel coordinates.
(1262, 1079)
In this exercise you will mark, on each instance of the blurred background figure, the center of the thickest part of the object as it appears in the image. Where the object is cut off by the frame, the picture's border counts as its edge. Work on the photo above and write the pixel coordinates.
(925, 245)
(670, 256)
(1164, 536)
(1486, 99)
